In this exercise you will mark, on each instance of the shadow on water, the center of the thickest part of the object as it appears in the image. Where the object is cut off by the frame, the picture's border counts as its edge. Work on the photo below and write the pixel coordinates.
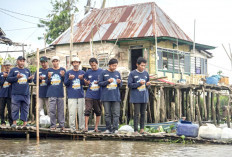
(51, 147)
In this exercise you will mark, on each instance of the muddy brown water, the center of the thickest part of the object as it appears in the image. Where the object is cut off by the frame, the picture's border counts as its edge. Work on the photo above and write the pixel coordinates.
(64, 148)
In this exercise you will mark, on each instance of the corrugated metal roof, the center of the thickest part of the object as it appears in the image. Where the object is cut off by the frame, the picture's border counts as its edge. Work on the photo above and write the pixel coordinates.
(123, 22)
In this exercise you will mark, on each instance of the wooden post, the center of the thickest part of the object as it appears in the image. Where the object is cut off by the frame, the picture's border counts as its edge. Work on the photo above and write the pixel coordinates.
(162, 114)
(208, 105)
(191, 103)
(198, 114)
(177, 100)
(213, 111)
(167, 103)
(212, 104)
(45, 52)
(183, 104)
(204, 103)
(199, 103)
(31, 114)
(188, 113)
(228, 115)
(124, 105)
(172, 110)
(180, 102)
(218, 109)
(37, 96)
(156, 106)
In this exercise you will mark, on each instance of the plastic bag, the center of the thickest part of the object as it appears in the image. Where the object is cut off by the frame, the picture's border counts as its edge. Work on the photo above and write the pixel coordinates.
(44, 121)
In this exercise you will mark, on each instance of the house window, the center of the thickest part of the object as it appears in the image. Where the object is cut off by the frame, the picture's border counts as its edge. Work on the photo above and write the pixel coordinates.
(173, 61)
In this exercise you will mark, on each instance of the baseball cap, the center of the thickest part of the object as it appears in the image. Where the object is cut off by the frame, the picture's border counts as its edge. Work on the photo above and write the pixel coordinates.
(43, 59)
(55, 57)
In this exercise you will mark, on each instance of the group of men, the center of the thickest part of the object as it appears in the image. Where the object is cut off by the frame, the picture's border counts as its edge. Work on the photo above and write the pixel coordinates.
(103, 88)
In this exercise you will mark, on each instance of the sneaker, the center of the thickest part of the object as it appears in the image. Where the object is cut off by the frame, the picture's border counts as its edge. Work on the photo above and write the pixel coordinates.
(115, 131)
(107, 132)
(13, 126)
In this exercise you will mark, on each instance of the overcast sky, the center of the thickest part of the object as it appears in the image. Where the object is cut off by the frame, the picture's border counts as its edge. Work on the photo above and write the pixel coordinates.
(213, 22)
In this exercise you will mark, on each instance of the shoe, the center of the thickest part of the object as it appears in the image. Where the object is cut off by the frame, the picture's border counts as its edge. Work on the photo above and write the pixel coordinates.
(52, 129)
(107, 132)
(13, 126)
(3, 125)
(115, 131)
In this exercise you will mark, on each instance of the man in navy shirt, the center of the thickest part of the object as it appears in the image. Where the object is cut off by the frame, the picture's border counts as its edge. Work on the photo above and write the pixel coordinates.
(20, 78)
(74, 81)
(43, 100)
(92, 98)
(55, 93)
(138, 82)
(5, 94)
(110, 81)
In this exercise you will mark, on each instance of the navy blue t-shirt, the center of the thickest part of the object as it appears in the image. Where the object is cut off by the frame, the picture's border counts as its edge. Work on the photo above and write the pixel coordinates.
(138, 92)
(5, 91)
(42, 83)
(55, 83)
(93, 91)
(19, 86)
(75, 86)
(110, 91)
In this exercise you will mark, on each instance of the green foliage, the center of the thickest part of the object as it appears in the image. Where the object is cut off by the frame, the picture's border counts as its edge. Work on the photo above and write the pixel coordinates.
(12, 60)
(32, 68)
(59, 18)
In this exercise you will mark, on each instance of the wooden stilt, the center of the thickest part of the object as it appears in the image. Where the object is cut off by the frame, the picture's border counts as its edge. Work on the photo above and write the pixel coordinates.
(213, 110)
(172, 110)
(208, 105)
(198, 115)
(162, 110)
(191, 103)
(124, 105)
(218, 109)
(37, 96)
(204, 102)
(228, 116)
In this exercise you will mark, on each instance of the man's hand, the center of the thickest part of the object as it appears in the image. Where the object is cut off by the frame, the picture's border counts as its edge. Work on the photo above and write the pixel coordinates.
(62, 72)
(87, 82)
(95, 82)
(142, 82)
(31, 77)
(148, 83)
(71, 76)
(110, 80)
(81, 77)
(5, 74)
(19, 75)
(119, 81)
(41, 77)
(50, 74)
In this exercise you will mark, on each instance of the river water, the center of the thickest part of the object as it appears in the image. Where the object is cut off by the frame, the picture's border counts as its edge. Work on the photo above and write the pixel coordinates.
(53, 147)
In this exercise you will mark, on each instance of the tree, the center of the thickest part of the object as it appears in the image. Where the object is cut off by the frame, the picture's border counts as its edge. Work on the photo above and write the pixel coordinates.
(59, 18)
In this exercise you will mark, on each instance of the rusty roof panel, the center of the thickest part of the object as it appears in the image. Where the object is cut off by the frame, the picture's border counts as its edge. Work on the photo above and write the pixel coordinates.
(123, 22)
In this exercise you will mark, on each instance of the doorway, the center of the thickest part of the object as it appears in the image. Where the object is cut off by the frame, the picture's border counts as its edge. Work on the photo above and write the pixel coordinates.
(135, 54)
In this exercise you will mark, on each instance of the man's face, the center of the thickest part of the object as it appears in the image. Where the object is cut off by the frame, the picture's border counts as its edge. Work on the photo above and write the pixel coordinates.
(7, 67)
(76, 64)
(93, 65)
(21, 63)
(113, 67)
(44, 64)
(141, 67)
(55, 63)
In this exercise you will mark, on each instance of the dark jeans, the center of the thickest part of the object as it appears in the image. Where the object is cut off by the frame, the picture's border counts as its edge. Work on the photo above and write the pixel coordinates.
(3, 103)
(139, 108)
(112, 108)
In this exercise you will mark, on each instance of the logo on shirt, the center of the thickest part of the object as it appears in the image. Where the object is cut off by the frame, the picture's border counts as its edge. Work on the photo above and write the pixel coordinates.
(142, 87)
(90, 76)
(94, 86)
(55, 79)
(76, 84)
(6, 84)
(22, 80)
(112, 85)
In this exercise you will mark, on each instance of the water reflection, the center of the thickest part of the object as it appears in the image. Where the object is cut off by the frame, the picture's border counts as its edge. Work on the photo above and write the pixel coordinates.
(20, 147)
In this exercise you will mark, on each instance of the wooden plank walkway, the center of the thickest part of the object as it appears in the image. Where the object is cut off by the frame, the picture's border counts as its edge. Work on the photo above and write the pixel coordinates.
(77, 135)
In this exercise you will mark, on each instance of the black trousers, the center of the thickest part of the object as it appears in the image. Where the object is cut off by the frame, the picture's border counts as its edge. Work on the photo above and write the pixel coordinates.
(3, 103)
(139, 109)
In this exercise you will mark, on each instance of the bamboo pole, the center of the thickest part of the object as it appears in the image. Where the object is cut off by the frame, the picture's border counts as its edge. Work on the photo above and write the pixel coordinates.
(191, 103)
(177, 102)
(71, 40)
(213, 110)
(37, 96)
(31, 113)
(124, 105)
(188, 114)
